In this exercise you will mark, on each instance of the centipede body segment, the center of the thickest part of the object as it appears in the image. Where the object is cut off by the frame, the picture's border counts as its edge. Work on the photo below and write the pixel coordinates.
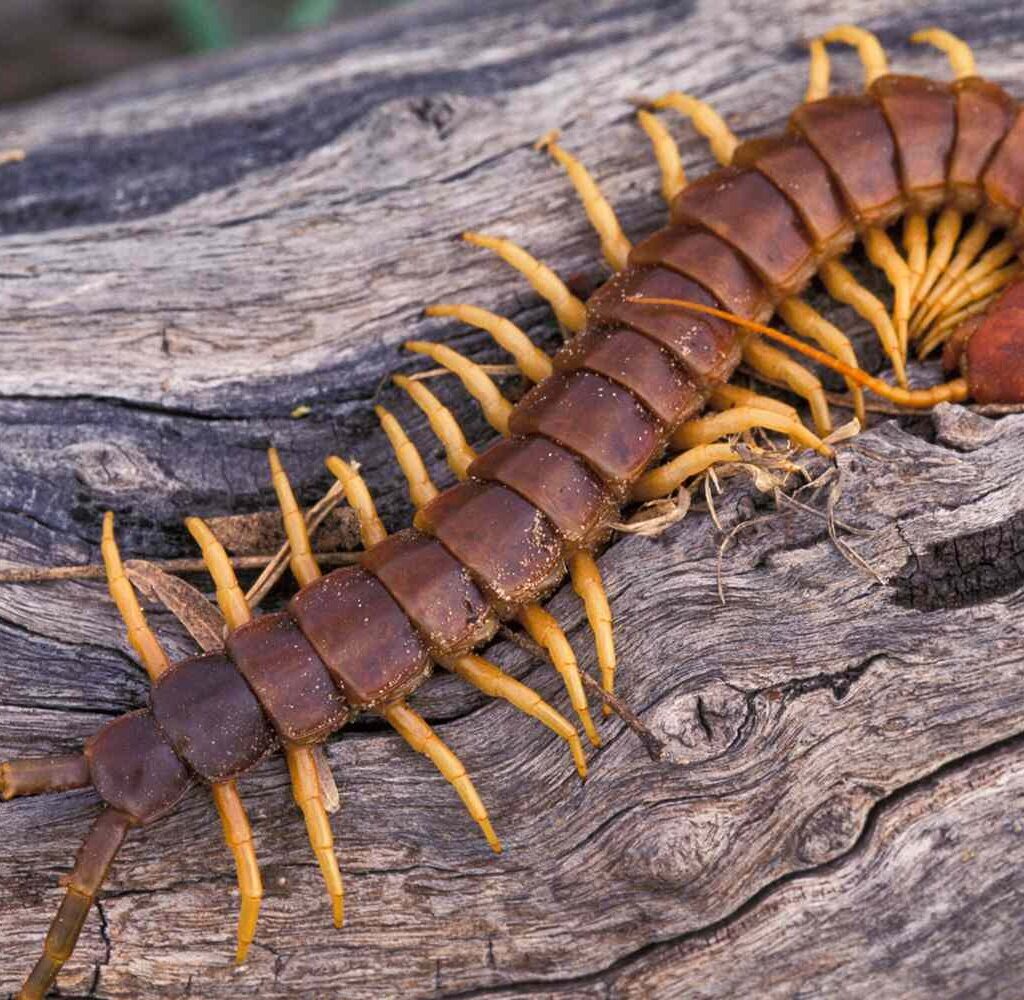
(651, 349)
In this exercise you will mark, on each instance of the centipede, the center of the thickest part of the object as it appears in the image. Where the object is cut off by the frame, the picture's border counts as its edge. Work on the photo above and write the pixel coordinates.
(638, 402)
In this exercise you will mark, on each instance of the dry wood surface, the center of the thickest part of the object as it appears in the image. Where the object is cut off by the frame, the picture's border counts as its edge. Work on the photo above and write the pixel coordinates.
(192, 252)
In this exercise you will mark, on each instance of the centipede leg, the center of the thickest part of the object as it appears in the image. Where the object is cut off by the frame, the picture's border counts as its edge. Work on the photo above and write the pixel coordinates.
(529, 358)
(546, 632)
(976, 281)
(602, 217)
(569, 310)
(706, 430)
(421, 487)
(42, 775)
(415, 731)
(587, 582)
(496, 408)
(140, 635)
(915, 243)
(970, 246)
(844, 287)
(819, 72)
(230, 599)
(884, 256)
(774, 364)
(961, 58)
(371, 529)
(666, 153)
(808, 322)
(946, 233)
(666, 479)
(943, 330)
(869, 49)
(306, 789)
(238, 837)
(93, 862)
(493, 681)
(457, 449)
(727, 396)
(708, 122)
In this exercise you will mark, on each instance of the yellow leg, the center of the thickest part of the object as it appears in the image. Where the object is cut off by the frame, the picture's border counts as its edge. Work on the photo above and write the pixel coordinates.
(773, 363)
(306, 789)
(666, 152)
(421, 487)
(529, 358)
(967, 287)
(942, 331)
(808, 322)
(230, 598)
(819, 73)
(970, 246)
(140, 635)
(602, 217)
(725, 397)
(415, 731)
(915, 242)
(960, 56)
(706, 430)
(545, 631)
(587, 582)
(844, 286)
(667, 478)
(885, 256)
(946, 233)
(303, 564)
(478, 383)
(708, 122)
(238, 836)
(571, 312)
(457, 450)
(493, 681)
(868, 48)
(371, 530)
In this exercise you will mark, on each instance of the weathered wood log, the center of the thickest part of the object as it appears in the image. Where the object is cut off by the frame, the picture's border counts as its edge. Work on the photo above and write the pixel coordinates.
(192, 252)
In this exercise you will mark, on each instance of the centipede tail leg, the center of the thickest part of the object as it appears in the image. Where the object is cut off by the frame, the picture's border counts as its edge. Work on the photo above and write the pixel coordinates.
(569, 310)
(457, 449)
(587, 582)
(492, 680)
(94, 859)
(238, 837)
(602, 217)
(546, 632)
(418, 734)
(774, 364)
(666, 152)
(529, 358)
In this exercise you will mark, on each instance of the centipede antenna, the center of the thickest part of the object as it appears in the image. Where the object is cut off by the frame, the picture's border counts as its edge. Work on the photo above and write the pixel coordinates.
(457, 449)
(493, 681)
(42, 775)
(915, 242)
(772, 363)
(954, 391)
(961, 58)
(808, 322)
(819, 72)
(870, 50)
(140, 635)
(884, 255)
(304, 566)
(569, 310)
(602, 216)
(589, 586)
(94, 859)
(707, 430)
(496, 408)
(371, 528)
(666, 479)
(306, 789)
(844, 287)
(421, 487)
(529, 358)
(546, 632)
(970, 246)
(706, 120)
(415, 731)
(238, 837)
(230, 599)
(946, 233)
(666, 152)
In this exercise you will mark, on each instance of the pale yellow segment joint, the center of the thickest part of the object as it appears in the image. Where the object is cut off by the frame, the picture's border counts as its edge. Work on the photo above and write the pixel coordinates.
(230, 599)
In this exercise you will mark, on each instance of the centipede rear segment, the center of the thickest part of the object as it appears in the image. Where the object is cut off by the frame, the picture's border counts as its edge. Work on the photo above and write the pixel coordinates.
(655, 346)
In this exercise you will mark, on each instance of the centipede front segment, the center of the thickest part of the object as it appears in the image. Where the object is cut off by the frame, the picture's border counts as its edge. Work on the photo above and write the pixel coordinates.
(653, 347)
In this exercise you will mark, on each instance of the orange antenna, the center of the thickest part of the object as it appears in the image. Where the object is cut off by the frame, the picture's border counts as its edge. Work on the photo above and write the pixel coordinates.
(954, 391)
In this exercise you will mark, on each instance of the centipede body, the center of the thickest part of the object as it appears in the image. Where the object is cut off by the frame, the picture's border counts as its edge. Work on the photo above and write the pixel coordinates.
(492, 546)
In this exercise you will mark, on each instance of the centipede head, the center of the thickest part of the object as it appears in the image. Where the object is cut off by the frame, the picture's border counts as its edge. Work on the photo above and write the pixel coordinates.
(988, 349)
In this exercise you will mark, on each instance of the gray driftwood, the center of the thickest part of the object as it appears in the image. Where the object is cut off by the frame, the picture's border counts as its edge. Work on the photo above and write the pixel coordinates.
(190, 253)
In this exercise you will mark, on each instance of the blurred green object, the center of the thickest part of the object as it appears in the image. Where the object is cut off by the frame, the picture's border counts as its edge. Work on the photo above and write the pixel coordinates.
(310, 13)
(202, 24)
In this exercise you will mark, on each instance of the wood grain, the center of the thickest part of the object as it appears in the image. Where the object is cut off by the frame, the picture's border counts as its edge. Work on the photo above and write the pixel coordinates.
(190, 253)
